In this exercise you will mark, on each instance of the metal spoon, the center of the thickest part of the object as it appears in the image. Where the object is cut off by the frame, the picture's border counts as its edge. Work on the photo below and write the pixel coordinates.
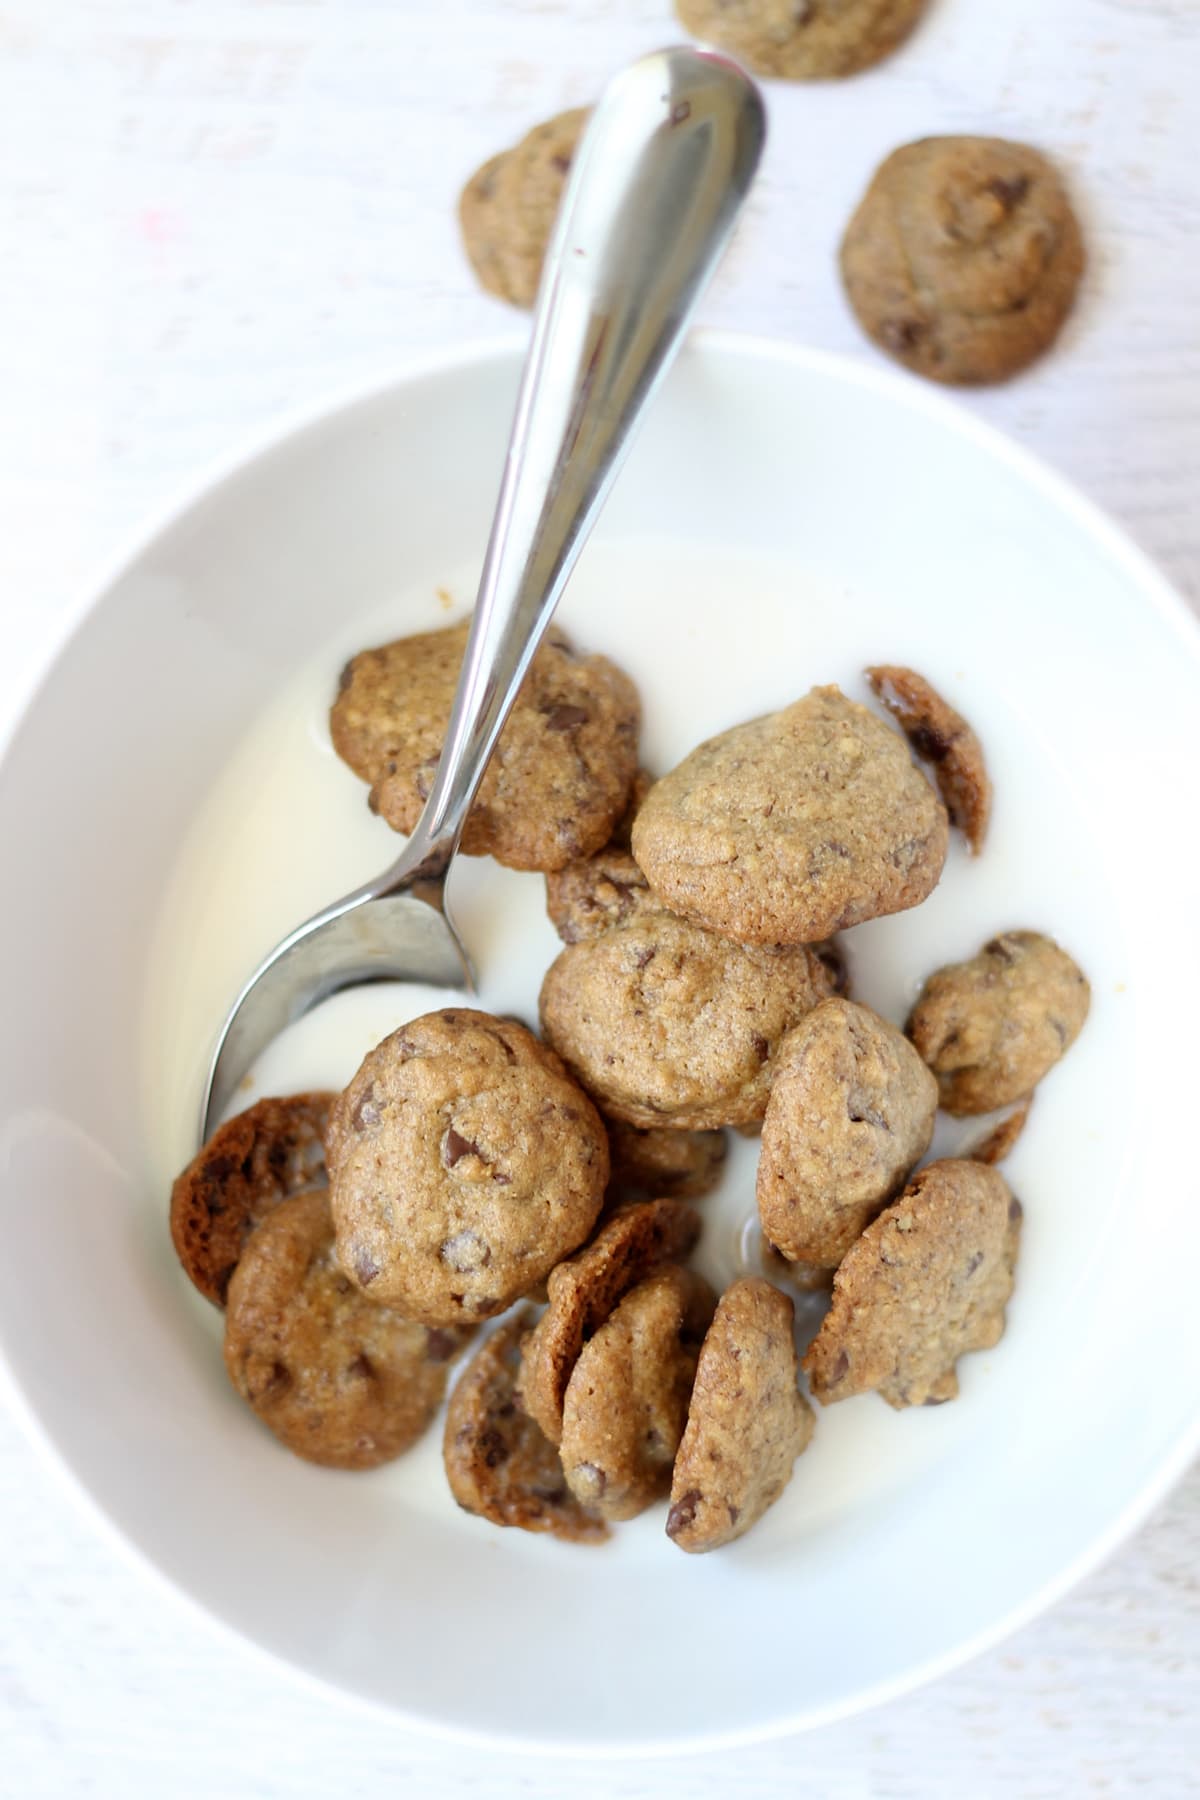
(658, 179)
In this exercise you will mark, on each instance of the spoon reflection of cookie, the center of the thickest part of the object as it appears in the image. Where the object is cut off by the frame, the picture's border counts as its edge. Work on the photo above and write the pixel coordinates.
(964, 258)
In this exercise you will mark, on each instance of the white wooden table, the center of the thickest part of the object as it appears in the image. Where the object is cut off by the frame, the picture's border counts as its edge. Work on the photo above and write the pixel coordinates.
(212, 211)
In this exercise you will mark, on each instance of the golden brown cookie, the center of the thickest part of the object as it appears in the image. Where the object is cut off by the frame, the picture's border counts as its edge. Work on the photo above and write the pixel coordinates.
(658, 1164)
(583, 1291)
(339, 1380)
(991, 1028)
(464, 1163)
(747, 1421)
(248, 1166)
(498, 1463)
(626, 1402)
(594, 893)
(480, 222)
(964, 258)
(560, 777)
(851, 1114)
(925, 1284)
(1001, 1140)
(666, 1023)
(802, 40)
(941, 737)
(794, 826)
(509, 206)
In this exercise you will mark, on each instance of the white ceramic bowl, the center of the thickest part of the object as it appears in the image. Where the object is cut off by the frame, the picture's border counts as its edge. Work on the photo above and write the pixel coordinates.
(784, 519)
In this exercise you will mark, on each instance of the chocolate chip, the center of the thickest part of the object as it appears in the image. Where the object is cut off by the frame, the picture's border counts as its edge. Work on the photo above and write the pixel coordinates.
(930, 745)
(439, 1345)
(683, 1513)
(974, 1263)
(365, 1267)
(455, 1146)
(366, 1114)
(566, 718)
(1009, 192)
(1015, 1210)
(492, 1447)
(761, 1047)
(346, 676)
(276, 1384)
(936, 1400)
(1003, 948)
(900, 335)
(560, 162)
(841, 1368)
(362, 1367)
(645, 957)
(733, 1511)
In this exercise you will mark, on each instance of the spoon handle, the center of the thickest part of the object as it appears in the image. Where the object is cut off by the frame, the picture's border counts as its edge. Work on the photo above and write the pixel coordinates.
(660, 174)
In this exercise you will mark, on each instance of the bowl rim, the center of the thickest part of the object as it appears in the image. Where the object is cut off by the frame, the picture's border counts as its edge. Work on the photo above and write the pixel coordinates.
(200, 488)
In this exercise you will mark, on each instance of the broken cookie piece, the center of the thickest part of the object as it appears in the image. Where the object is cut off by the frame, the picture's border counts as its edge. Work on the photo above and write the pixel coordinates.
(991, 1028)
(498, 1463)
(626, 1402)
(925, 1284)
(996, 1144)
(941, 737)
(747, 1421)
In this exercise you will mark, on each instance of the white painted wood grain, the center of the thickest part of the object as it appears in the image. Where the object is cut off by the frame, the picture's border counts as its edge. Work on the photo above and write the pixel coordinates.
(212, 211)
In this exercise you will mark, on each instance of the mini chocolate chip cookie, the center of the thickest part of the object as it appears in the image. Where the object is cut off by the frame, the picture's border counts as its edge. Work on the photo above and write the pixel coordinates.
(802, 40)
(339, 1380)
(941, 737)
(248, 1166)
(583, 1291)
(851, 1114)
(658, 1164)
(667, 1023)
(509, 206)
(560, 777)
(464, 1163)
(925, 1284)
(626, 1402)
(747, 1421)
(991, 1028)
(793, 826)
(594, 893)
(964, 258)
(498, 1462)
